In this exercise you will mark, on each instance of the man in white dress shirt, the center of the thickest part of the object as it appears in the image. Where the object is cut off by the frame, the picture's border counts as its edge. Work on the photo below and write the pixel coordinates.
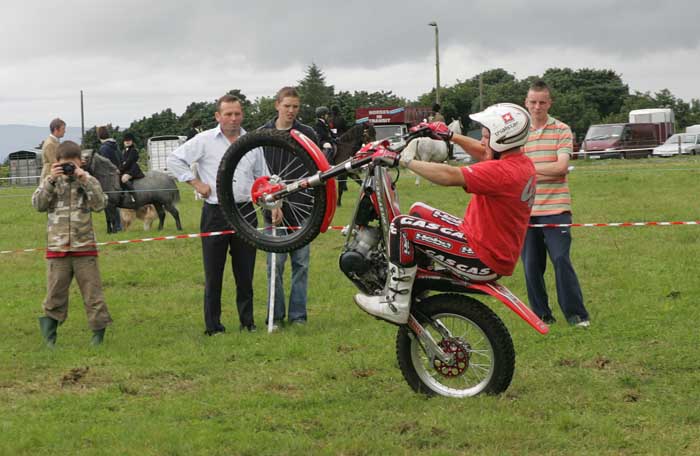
(206, 150)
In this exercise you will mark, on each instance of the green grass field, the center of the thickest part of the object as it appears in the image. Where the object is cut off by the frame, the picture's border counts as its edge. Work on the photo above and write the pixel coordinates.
(628, 385)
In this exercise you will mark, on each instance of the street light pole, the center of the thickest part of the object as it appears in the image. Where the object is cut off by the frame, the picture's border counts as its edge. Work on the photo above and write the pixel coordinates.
(437, 61)
(82, 119)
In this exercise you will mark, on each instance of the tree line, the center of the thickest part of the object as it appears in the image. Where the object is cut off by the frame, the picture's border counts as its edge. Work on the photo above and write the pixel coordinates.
(580, 98)
(313, 89)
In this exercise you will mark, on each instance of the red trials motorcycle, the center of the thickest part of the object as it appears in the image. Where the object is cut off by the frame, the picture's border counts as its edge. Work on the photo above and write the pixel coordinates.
(453, 345)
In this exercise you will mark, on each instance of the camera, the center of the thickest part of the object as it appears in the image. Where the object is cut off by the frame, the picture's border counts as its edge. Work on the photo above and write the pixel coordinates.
(68, 168)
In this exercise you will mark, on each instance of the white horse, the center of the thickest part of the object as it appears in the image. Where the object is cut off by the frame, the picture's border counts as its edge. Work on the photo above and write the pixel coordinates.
(431, 150)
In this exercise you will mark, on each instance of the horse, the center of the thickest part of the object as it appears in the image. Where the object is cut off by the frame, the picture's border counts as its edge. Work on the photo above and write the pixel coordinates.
(348, 143)
(431, 150)
(157, 188)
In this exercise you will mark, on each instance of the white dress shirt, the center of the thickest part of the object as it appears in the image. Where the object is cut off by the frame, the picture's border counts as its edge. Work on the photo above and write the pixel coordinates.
(206, 150)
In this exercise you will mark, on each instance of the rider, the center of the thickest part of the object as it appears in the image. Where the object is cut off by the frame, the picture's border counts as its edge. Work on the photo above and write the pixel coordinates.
(337, 123)
(130, 169)
(484, 245)
(323, 131)
(436, 116)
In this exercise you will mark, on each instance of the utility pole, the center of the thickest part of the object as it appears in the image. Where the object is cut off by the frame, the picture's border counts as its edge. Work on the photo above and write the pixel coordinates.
(481, 92)
(82, 118)
(437, 61)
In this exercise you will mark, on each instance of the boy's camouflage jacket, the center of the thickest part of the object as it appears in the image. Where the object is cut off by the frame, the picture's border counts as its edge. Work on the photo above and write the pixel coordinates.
(69, 204)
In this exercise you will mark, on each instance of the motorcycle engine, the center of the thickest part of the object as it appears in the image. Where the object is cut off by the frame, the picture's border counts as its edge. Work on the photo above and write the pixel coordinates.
(363, 262)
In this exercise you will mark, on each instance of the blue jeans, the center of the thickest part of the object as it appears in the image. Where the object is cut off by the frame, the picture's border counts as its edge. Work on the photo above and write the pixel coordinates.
(556, 241)
(300, 280)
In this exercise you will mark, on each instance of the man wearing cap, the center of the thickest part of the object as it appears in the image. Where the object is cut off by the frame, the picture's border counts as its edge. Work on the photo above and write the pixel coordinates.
(323, 132)
(486, 243)
(437, 116)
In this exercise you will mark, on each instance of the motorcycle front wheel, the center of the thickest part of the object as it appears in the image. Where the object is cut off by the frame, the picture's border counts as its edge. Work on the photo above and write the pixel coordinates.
(482, 349)
(275, 154)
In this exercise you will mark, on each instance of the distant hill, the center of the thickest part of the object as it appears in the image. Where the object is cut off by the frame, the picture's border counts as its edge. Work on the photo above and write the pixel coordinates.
(17, 137)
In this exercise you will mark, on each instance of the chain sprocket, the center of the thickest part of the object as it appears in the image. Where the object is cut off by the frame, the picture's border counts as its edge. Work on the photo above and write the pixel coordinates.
(460, 350)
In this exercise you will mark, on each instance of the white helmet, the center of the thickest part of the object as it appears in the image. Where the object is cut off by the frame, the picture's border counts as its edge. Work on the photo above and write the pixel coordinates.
(508, 123)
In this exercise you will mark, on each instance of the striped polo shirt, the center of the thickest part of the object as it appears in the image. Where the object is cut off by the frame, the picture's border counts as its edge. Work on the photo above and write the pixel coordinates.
(544, 146)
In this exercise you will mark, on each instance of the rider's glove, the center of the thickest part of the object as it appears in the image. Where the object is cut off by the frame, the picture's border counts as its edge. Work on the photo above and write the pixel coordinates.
(439, 131)
(386, 158)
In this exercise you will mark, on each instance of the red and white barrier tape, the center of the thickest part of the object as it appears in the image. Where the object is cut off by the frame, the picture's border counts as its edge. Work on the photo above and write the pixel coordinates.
(134, 241)
(620, 224)
(339, 228)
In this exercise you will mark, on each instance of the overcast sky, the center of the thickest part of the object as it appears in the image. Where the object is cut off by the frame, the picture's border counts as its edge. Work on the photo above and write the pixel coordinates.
(134, 58)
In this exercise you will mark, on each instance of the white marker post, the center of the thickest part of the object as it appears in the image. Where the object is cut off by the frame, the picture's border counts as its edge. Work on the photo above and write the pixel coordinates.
(273, 277)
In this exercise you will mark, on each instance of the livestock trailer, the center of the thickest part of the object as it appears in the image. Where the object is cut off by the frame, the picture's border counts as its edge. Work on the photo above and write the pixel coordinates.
(663, 119)
(25, 167)
(159, 147)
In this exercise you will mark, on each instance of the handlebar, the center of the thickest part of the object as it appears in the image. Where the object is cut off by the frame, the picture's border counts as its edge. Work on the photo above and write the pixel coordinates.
(410, 136)
(397, 148)
(350, 164)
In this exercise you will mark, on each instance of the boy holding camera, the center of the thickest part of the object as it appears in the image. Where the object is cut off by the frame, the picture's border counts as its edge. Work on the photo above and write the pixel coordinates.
(70, 194)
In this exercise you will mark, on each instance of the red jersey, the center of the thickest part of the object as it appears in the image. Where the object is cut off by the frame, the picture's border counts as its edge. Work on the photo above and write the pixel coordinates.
(498, 214)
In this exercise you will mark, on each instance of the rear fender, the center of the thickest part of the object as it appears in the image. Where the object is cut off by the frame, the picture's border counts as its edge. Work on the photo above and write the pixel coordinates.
(323, 165)
(507, 297)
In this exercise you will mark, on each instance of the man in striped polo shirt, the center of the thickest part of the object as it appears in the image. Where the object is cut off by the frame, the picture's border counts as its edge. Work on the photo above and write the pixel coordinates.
(549, 145)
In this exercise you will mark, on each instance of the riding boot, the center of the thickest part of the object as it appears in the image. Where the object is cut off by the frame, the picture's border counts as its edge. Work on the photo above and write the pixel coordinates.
(97, 337)
(394, 303)
(48, 327)
(130, 195)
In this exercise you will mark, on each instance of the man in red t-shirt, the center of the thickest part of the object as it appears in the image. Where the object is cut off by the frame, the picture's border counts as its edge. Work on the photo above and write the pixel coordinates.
(484, 245)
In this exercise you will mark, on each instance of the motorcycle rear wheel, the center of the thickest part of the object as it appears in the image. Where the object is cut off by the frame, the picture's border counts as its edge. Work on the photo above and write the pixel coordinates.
(483, 349)
(286, 159)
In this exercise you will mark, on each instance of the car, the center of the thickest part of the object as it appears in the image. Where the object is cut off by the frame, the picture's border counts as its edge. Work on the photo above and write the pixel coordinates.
(685, 143)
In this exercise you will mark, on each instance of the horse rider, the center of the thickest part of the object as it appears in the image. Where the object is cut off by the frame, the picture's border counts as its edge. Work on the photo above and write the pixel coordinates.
(436, 116)
(324, 133)
(337, 122)
(195, 129)
(130, 168)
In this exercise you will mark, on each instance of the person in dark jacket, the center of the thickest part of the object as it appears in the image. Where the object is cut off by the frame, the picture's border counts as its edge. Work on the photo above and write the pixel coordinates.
(195, 129)
(110, 151)
(323, 132)
(337, 123)
(108, 148)
(130, 169)
(287, 104)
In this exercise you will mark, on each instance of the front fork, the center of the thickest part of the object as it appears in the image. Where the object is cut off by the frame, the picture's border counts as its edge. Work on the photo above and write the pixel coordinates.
(426, 340)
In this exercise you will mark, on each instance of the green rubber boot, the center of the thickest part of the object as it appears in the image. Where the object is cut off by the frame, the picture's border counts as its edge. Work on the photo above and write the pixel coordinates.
(97, 337)
(48, 327)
